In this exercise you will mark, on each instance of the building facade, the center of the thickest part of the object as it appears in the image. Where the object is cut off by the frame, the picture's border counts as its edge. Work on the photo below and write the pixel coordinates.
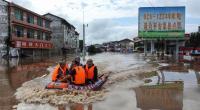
(76, 40)
(162, 29)
(3, 26)
(64, 35)
(30, 32)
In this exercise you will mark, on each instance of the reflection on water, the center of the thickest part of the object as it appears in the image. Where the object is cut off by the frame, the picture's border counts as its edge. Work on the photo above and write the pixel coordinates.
(23, 106)
(153, 96)
(79, 107)
(13, 73)
(158, 98)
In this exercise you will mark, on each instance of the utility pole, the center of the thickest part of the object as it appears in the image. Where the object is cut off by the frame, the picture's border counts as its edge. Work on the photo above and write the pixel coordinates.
(84, 50)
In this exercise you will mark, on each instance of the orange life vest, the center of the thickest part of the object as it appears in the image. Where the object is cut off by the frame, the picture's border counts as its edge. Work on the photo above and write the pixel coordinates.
(56, 71)
(79, 77)
(89, 72)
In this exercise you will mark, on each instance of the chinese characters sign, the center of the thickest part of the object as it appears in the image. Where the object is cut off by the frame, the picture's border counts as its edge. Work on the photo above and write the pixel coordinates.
(161, 22)
(30, 44)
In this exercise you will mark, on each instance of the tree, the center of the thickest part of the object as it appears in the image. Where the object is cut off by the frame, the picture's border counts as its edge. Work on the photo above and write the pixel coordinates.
(92, 49)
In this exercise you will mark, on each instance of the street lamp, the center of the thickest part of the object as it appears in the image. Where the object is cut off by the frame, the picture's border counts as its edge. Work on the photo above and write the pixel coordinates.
(84, 49)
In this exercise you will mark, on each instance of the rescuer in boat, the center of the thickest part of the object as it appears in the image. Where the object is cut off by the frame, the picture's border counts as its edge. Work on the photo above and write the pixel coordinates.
(77, 60)
(91, 72)
(78, 76)
(61, 72)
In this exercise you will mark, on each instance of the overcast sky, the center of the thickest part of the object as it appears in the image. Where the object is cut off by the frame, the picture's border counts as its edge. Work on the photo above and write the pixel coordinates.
(109, 20)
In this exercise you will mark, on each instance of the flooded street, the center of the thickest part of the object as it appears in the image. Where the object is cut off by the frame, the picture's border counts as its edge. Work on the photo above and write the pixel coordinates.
(123, 90)
(14, 73)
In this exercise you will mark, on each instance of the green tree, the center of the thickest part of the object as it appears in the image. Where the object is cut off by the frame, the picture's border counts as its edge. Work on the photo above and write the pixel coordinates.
(92, 49)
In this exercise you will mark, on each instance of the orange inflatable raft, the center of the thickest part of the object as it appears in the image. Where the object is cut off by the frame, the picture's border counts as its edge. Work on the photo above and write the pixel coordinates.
(96, 86)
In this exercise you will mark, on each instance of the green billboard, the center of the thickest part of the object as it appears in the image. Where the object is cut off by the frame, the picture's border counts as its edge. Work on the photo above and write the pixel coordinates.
(161, 22)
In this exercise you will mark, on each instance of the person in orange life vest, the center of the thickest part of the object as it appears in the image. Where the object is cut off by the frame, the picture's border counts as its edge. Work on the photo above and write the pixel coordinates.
(77, 59)
(91, 71)
(77, 74)
(60, 72)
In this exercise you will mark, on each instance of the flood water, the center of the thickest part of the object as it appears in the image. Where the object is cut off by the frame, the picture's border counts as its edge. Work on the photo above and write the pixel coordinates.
(125, 93)
(14, 73)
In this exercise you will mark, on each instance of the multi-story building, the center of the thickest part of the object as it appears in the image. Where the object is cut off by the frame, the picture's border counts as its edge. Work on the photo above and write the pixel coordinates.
(77, 41)
(3, 26)
(64, 35)
(30, 32)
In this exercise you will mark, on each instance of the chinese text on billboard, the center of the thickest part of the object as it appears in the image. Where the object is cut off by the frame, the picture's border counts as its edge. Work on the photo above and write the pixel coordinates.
(161, 22)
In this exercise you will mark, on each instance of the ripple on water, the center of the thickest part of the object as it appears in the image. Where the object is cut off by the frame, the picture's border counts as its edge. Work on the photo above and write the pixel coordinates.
(121, 70)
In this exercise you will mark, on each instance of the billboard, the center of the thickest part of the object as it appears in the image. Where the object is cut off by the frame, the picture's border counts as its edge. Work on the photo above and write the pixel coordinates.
(161, 22)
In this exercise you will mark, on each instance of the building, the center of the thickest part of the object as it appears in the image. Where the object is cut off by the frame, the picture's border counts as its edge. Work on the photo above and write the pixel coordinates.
(77, 41)
(29, 32)
(138, 44)
(162, 29)
(199, 29)
(3, 26)
(64, 35)
(126, 43)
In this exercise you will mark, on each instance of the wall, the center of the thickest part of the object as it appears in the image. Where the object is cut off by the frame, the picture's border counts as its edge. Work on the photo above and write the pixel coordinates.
(57, 34)
(63, 35)
(3, 24)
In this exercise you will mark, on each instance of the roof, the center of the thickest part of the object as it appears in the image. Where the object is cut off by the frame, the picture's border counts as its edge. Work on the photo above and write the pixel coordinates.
(76, 33)
(11, 4)
(125, 40)
(62, 19)
(5, 1)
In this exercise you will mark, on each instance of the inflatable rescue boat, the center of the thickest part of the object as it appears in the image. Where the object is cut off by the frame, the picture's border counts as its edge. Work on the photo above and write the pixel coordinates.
(96, 86)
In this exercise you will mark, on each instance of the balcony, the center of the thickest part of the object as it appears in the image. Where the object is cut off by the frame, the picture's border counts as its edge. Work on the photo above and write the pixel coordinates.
(29, 25)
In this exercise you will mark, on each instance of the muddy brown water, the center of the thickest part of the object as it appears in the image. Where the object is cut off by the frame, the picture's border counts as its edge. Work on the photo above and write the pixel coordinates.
(120, 95)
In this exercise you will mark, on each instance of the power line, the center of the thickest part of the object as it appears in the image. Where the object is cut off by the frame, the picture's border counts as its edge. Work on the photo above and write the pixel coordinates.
(150, 3)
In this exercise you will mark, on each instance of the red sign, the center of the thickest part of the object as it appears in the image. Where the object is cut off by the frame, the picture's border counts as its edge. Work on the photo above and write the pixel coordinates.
(33, 44)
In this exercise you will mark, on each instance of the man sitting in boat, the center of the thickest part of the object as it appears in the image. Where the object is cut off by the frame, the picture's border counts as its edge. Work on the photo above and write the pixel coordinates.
(60, 72)
(91, 72)
(77, 74)
(77, 59)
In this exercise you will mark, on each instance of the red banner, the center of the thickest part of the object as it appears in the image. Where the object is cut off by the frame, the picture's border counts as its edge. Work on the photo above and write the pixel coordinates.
(33, 44)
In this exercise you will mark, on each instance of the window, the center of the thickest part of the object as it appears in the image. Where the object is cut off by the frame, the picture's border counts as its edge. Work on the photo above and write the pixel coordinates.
(18, 14)
(19, 31)
(47, 36)
(39, 21)
(30, 19)
(3, 9)
(47, 24)
(30, 33)
(39, 35)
